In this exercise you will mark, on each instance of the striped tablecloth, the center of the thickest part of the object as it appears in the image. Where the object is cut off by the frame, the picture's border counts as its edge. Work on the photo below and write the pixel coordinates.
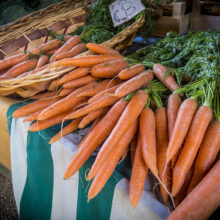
(41, 192)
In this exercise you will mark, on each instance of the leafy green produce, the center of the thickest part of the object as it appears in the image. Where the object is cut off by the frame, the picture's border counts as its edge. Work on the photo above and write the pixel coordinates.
(196, 55)
(99, 26)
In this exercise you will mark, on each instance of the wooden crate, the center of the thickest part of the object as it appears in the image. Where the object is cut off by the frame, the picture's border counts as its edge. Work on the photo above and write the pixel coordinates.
(178, 22)
(203, 22)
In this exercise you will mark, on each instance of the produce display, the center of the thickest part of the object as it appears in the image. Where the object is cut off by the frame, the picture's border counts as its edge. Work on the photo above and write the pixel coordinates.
(164, 110)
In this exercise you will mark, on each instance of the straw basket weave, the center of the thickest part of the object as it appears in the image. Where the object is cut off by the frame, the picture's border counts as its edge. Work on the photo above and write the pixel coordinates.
(30, 31)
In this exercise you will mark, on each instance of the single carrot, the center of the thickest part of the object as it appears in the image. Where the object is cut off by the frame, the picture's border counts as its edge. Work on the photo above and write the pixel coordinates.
(97, 48)
(79, 82)
(103, 93)
(207, 154)
(134, 83)
(105, 84)
(34, 107)
(33, 116)
(75, 74)
(42, 61)
(87, 61)
(131, 113)
(45, 95)
(109, 69)
(203, 200)
(20, 68)
(50, 45)
(53, 85)
(72, 53)
(95, 122)
(183, 192)
(132, 71)
(100, 103)
(173, 105)
(13, 60)
(50, 52)
(184, 117)
(41, 125)
(148, 139)
(138, 175)
(68, 45)
(96, 137)
(72, 126)
(161, 149)
(133, 146)
(64, 105)
(109, 165)
(65, 92)
(194, 138)
(91, 116)
(161, 73)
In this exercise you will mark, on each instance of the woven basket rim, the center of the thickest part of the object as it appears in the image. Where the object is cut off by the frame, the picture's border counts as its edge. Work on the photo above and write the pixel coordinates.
(39, 12)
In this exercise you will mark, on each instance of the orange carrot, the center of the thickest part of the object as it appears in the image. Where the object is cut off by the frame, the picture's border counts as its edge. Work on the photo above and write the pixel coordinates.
(87, 61)
(33, 71)
(169, 81)
(41, 125)
(138, 175)
(134, 83)
(96, 137)
(131, 113)
(133, 146)
(91, 116)
(68, 45)
(79, 82)
(72, 126)
(184, 117)
(109, 165)
(173, 105)
(53, 85)
(131, 71)
(33, 116)
(50, 52)
(75, 74)
(20, 68)
(65, 92)
(105, 101)
(162, 144)
(148, 139)
(95, 122)
(13, 60)
(194, 138)
(207, 154)
(64, 105)
(183, 192)
(72, 53)
(109, 69)
(42, 61)
(203, 200)
(50, 45)
(34, 107)
(103, 93)
(45, 95)
(97, 48)
(105, 84)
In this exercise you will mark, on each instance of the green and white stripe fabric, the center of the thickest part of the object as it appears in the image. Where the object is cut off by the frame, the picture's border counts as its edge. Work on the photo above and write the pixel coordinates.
(42, 193)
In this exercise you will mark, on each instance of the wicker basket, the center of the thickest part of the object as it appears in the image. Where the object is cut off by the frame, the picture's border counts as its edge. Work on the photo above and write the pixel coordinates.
(33, 32)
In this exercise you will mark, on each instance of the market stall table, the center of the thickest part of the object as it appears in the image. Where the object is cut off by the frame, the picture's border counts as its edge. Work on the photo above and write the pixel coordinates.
(42, 193)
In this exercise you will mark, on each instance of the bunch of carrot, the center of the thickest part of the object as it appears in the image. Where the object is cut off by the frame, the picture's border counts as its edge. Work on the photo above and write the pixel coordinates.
(38, 58)
(178, 144)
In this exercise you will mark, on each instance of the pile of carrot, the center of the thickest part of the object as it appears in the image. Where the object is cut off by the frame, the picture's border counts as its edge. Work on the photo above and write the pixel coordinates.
(31, 61)
(178, 144)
